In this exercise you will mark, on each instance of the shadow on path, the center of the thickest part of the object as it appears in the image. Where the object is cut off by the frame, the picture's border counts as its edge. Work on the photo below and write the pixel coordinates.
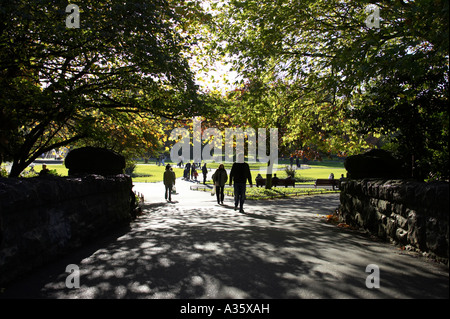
(278, 249)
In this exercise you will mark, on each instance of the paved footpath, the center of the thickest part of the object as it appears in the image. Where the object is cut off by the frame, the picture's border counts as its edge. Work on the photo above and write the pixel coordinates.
(194, 248)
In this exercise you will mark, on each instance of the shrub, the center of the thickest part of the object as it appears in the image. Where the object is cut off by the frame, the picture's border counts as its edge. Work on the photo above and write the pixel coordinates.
(3, 172)
(290, 171)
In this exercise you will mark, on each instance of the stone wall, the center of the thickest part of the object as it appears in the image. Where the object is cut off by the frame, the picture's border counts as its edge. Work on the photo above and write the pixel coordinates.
(406, 212)
(44, 217)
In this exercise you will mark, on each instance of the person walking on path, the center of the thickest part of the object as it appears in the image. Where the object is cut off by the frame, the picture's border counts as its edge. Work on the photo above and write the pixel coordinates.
(193, 169)
(220, 178)
(187, 171)
(205, 173)
(169, 181)
(240, 173)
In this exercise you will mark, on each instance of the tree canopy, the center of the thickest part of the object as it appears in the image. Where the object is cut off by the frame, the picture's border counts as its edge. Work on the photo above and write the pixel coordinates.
(329, 80)
(58, 85)
(334, 82)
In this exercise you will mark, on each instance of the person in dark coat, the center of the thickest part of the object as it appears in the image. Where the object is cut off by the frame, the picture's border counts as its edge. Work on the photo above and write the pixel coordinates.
(205, 173)
(169, 181)
(187, 171)
(240, 173)
(220, 178)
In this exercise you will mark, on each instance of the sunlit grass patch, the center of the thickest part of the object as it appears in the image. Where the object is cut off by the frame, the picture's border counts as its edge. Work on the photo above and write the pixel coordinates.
(149, 173)
(255, 193)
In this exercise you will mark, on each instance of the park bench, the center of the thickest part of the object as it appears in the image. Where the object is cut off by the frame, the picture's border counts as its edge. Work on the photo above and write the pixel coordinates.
(327, 182)
(260, 182)
(278, 182)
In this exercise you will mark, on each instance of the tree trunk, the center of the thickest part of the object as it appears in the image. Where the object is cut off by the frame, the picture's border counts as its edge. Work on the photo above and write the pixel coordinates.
(16, 168)
(268, 181)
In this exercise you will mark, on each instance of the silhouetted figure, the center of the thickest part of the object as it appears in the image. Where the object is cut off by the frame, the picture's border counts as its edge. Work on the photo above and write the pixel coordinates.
(169, 181)
(220, 178)
(44, 171)
(275, 180)
(240, 173)
(205, 173)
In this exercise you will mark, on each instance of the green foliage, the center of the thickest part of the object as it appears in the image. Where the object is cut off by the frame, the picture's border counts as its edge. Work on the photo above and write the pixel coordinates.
(58, 85)
(130, 167)
(3, 172)
(55, 170)
(312, 69)
(29, 173)
(315, 70)
(58, 169)
(290, 171)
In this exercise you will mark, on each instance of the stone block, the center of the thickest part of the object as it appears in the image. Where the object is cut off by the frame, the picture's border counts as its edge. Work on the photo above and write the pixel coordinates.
(416, 230)
(402, 222)
(406, 211)
(373, 164)
(94, 160)
(391, 226)
(401, 235)
(60, 214)
(436, 237)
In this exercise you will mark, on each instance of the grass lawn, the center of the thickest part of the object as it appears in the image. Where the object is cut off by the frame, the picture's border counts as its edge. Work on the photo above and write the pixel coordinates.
(281, 192)
(149, 173)
(316, 172)
(60, 169)
(254, 193)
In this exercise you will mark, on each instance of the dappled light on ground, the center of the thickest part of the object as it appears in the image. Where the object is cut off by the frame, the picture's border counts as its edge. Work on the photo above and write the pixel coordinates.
(272, 251)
